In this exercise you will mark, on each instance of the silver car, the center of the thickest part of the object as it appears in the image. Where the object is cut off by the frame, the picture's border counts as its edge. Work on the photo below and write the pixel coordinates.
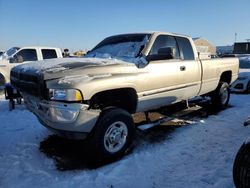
(242, 84)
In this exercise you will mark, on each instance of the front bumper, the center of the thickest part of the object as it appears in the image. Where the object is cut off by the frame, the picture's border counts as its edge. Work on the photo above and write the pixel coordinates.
(71, 120)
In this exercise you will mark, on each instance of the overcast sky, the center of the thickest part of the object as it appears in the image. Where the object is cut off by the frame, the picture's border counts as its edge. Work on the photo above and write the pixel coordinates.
(79, 24)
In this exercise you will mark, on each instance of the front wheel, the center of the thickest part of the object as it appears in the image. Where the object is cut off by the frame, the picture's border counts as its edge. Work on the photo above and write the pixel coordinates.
(113, 135)
(220, 97)
(241, 168)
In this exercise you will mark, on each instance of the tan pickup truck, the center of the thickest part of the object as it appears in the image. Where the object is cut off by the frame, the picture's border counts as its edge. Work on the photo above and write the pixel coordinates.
(94, 97)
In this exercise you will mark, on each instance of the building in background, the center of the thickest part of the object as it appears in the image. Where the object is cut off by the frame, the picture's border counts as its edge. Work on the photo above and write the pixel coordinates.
(241, 48)
(205, 48)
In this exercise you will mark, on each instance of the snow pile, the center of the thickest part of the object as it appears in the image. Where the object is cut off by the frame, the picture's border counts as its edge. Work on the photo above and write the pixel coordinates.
(199, 155)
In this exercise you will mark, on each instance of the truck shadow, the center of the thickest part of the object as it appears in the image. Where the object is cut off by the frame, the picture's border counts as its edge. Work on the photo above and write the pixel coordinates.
(74, 155)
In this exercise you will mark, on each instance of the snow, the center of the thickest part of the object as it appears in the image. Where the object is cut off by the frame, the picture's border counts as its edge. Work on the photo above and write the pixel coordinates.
(57, 65)
(125, 51)
(197, 155)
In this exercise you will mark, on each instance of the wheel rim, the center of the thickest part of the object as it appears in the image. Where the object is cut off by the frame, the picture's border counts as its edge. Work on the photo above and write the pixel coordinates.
(224, 95)
(115, 137)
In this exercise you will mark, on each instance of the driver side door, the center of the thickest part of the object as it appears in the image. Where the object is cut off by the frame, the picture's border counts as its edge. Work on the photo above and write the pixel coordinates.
(164, 78)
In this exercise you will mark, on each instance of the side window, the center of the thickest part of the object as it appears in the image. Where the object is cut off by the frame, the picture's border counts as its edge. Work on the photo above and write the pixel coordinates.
(186, 50)
(164, 41)
(49, 53)
(26, 55)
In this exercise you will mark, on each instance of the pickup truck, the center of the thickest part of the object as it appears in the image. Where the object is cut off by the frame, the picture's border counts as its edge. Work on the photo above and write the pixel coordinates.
(24, 55)
(95, 97)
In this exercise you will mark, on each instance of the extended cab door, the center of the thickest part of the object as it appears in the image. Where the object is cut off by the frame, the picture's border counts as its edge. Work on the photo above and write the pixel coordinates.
(190, 68)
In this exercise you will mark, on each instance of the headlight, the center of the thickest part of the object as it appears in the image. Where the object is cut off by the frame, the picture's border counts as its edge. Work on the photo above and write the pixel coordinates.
(71, 95)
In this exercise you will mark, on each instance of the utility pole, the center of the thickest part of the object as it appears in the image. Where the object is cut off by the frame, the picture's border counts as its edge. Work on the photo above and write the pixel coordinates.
(235, 37)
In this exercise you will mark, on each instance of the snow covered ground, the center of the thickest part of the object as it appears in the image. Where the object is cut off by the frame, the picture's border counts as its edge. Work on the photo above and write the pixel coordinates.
(199, 155)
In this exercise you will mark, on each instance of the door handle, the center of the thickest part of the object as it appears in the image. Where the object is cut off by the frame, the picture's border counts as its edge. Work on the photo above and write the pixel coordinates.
(182, 68)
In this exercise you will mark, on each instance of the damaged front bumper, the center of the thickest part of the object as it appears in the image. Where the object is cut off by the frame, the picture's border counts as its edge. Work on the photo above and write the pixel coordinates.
(71, 120)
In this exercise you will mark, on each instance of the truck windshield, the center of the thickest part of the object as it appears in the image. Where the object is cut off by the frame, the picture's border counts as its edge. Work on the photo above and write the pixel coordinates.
(120, 47)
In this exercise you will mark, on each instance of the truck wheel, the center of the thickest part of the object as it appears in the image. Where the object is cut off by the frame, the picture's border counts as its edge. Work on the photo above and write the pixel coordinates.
(220, 97)
(112, 136)
(241, 168)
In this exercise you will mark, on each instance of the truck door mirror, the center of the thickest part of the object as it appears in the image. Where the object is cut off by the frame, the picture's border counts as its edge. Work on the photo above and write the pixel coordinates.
(162, 54)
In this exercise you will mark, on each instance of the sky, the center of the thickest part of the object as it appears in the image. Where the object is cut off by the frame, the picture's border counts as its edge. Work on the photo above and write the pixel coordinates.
(81, 24)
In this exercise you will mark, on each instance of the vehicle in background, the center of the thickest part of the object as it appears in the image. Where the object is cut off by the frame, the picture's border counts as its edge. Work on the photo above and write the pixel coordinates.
(94, 97)
(16, 56)
(241, 166)
(242, 84)
(9, 53)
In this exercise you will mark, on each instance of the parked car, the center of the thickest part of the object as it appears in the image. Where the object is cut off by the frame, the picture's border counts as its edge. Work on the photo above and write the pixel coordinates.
(16, 56)
(94, 97)
(241, 167)
(242, 84)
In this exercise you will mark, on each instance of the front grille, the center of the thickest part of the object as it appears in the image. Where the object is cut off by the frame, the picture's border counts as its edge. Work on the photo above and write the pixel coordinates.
(28, 83)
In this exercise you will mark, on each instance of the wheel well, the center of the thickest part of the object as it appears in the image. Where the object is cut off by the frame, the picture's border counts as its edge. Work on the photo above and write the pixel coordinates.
(226, 77)
(125, 98)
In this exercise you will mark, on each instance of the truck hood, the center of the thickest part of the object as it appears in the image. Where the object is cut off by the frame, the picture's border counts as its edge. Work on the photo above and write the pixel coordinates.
(57, 68)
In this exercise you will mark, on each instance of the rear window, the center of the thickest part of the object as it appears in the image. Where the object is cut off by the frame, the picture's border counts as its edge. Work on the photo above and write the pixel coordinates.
(49, 53)
(186, 49)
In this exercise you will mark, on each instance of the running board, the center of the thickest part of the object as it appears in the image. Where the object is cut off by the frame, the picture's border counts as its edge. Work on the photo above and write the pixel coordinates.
(160, 121)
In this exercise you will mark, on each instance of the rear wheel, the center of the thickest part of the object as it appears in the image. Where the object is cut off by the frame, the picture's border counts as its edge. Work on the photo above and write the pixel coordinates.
(220, 97)
(113, 135)
(241, 168)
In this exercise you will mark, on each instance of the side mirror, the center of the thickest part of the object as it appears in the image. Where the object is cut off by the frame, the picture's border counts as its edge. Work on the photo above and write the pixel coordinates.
(162, 54)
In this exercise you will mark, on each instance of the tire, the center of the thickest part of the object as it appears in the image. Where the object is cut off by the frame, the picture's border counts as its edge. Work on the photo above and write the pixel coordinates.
(241, 168)
(112, 136)
(220, 97)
